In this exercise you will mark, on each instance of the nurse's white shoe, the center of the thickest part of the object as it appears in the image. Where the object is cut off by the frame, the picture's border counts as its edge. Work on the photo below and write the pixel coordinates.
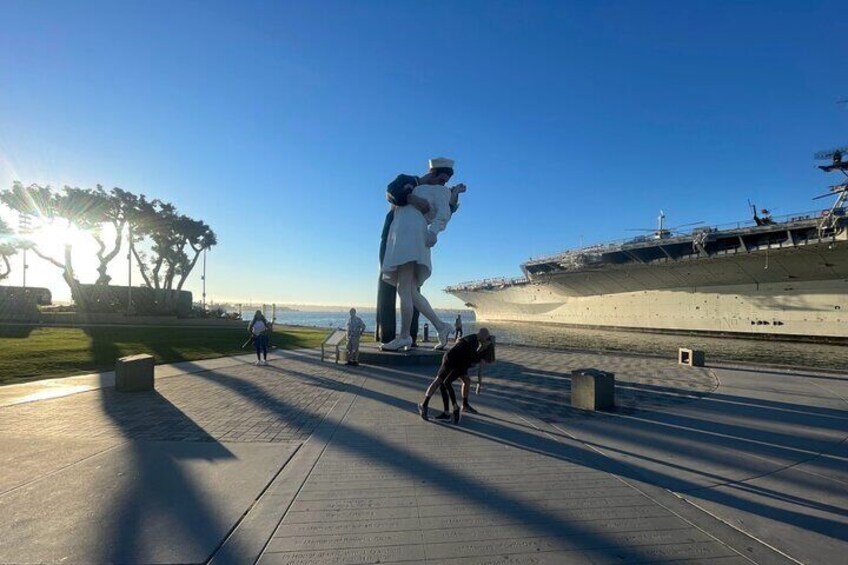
(397, 344)
(444, 336)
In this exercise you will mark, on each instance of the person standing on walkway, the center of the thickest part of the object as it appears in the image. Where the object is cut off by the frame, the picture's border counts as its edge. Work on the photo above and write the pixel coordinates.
(457, 326)
(399, 194)
(259, 329)
(473, 349)
(355, 328)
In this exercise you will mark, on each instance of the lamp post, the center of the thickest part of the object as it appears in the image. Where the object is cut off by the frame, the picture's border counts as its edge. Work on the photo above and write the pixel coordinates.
(25, 228)
(203, 278)
(129, 268)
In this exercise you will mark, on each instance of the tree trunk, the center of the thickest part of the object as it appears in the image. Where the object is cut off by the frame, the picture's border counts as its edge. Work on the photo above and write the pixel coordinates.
(168, 285)
(7, 270)
(67, 274)
(170, 273)
(155, 274)
(190, 269)
(142, 268)
(104, 278)
(71, 280)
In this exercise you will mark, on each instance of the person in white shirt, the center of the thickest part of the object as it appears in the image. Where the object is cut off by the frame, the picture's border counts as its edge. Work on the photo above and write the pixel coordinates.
(406, 264)
(355, 328)
(259, 329)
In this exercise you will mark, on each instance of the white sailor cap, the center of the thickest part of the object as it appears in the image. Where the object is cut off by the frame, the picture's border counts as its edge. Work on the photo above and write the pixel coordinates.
(441, 163)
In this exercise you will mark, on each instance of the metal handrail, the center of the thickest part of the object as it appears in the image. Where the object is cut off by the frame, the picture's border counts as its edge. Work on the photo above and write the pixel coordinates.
(605, 246)
(784, 219)
(490, 282)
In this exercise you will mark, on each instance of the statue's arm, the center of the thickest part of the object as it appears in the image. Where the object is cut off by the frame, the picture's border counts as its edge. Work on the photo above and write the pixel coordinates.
(399, 190)
(443, 211)
(454, 197)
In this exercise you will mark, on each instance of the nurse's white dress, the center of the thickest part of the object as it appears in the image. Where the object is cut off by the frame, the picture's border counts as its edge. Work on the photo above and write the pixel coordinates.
(407, 241)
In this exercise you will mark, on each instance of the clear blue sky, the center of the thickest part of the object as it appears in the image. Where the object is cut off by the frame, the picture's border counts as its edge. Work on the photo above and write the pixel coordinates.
(280, 123)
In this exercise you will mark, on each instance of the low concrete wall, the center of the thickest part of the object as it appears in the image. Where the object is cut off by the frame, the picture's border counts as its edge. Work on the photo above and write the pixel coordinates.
(76, 319)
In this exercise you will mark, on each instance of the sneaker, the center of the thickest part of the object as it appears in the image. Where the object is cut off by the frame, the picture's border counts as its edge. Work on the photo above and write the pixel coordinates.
(470, 409)
(422, 411)
(258, 362)
(457, 416)
(265, 362)
(443, 416)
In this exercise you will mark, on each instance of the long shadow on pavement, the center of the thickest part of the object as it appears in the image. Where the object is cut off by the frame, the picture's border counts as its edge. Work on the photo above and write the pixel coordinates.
(707, 443)
(358, 442)
(160, 500)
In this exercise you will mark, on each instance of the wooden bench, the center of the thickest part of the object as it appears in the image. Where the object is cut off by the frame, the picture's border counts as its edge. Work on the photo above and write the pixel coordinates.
(336, 339)
(690, 357)
(592, 389)
(134, 373)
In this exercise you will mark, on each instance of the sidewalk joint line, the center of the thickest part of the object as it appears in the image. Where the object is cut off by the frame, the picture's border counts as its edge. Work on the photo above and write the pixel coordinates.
(317, 459)
(252, 505)
(68, 466)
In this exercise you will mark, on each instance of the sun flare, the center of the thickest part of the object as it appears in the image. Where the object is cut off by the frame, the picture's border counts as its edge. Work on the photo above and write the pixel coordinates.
(59, 234)
(51, 238)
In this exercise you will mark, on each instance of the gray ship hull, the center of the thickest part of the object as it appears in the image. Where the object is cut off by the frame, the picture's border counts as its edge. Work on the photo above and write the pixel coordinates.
(797, 290)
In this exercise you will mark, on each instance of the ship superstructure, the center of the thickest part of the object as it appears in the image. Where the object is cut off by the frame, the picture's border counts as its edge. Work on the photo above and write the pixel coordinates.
(783, 277)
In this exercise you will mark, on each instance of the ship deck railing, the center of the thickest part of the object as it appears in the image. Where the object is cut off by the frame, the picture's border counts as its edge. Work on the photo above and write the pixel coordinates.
(483, 284)
(613, 245)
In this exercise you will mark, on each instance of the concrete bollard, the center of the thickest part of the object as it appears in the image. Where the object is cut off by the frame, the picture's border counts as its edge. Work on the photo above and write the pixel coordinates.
(690, 357)
(592, 389)
(134, 373)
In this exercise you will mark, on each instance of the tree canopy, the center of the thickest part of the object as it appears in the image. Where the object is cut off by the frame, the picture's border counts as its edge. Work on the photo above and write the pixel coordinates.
(165, 243)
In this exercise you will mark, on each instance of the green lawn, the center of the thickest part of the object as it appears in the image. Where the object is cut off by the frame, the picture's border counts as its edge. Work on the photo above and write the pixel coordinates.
(29, 353)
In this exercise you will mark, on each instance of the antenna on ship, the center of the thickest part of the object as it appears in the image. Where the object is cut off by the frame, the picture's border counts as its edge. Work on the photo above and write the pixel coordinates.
(831, 218)
(662, 232)
(765, 219)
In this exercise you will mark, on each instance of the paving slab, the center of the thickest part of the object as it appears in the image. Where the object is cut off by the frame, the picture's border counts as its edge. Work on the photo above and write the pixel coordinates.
(155, 477)
(310, 462)
(764, 451)
(389, 487)
(23, 460)
(142, 502)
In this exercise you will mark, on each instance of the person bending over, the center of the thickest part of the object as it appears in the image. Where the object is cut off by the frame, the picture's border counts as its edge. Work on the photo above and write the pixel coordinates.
(472, 349)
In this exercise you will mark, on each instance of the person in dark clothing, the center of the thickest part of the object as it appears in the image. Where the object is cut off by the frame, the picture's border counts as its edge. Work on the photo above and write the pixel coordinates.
(457, 326)
(259, 329)
(473, 349)
(399, 193)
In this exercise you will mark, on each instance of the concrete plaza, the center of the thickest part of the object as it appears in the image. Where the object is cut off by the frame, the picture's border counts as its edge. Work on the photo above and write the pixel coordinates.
(311, 462)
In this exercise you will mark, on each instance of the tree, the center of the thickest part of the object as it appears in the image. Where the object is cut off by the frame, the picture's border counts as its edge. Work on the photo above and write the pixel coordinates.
(91, 210)
(196, 236)
(43, 203)
(150, 237)
(166, 244)
(8, 247)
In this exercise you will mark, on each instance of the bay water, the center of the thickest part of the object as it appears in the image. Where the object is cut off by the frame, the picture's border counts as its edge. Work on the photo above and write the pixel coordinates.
(717, 349)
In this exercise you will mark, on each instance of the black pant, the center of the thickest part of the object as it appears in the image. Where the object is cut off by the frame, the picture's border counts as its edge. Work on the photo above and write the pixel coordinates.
(448, 373)
(459, 333)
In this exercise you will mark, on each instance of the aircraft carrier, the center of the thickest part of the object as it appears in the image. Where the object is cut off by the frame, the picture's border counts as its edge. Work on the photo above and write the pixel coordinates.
(770, 277)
